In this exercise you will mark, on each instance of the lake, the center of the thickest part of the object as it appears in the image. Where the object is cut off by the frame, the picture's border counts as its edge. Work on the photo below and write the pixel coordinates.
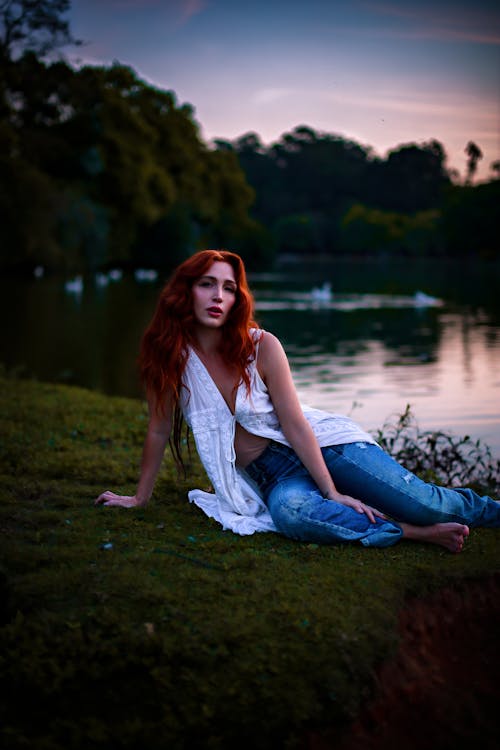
(387, 335)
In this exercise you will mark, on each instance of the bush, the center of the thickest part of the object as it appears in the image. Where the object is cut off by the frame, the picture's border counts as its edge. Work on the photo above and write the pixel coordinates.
(440, 457)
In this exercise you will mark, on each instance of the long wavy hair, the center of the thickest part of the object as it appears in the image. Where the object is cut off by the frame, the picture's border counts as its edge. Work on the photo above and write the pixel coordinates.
(164, 346)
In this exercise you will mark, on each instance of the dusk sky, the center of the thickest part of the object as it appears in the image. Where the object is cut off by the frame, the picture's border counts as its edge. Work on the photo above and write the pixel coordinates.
(379, 73)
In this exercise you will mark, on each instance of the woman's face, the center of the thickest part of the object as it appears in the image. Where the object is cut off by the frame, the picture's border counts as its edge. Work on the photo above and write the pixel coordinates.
(214, 294)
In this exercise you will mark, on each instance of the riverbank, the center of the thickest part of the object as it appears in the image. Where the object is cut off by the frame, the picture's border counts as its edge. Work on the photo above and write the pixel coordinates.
(154, 628)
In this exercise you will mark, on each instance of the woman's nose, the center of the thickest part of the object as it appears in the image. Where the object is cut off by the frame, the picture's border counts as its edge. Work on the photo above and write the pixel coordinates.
(218, 295)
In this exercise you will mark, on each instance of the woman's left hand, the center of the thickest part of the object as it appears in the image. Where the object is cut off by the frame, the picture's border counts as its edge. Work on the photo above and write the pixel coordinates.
(121, 501)
(358, 506)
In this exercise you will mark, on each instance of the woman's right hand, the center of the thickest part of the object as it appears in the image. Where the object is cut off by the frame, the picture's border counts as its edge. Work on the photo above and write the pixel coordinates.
(358, 506)
(118, 501)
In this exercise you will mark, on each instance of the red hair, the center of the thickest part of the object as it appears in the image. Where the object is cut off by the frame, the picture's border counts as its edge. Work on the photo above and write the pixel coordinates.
(164, 346)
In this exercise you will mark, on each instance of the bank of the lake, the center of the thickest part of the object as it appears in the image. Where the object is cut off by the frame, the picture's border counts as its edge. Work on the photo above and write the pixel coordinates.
(154, 628)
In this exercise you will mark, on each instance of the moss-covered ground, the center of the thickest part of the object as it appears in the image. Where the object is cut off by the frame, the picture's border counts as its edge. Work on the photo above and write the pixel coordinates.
(153, 628)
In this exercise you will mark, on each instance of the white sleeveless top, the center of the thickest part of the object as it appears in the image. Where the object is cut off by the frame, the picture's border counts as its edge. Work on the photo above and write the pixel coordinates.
(236, 502)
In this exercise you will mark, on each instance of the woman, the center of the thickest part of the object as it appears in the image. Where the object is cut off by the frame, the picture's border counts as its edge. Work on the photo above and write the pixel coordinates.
(273, 465)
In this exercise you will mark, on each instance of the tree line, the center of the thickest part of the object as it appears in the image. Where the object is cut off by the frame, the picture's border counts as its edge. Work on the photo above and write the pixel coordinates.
(321, 193)
(99, 168)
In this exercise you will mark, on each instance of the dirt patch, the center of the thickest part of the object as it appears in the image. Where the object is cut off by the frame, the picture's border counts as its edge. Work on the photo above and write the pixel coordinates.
(442, 690)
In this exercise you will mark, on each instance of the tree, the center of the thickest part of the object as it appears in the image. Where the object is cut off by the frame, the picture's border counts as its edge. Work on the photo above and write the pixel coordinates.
(108, 169)
(474, 154)
(369, 231)
(412, 178)
(33, 26)
(470, 220)
(27, 220)
(307, 179)
(495, 168)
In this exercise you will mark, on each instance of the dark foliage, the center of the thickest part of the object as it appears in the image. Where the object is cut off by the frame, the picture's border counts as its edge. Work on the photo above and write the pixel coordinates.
(439, 456)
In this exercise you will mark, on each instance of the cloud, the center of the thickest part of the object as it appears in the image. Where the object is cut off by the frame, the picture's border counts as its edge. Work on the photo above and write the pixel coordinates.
(439, 21)
(439, 34)
(387, 104)
(271, 95)
(190, 8)
(134, 4)
(451, 108)
(184, 10)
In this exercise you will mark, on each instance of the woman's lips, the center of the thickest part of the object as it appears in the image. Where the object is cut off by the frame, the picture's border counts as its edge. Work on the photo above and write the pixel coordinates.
(216, 311)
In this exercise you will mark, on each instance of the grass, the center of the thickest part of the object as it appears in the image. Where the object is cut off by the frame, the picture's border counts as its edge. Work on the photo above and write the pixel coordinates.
(153, 628)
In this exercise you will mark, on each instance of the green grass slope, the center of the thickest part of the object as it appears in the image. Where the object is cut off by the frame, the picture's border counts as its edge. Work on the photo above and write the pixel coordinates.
(153, 628)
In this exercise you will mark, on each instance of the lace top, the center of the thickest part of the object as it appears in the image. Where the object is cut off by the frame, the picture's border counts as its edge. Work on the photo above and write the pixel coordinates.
(236, 502)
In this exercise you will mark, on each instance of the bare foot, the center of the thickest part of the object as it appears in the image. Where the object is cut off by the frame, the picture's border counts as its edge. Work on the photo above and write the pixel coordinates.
(451, 536)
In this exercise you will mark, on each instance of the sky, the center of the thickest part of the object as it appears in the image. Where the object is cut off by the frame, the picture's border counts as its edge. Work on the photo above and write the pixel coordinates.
(379, 73)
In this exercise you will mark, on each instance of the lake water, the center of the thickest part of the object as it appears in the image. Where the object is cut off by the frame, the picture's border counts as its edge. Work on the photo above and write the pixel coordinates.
(370, 349)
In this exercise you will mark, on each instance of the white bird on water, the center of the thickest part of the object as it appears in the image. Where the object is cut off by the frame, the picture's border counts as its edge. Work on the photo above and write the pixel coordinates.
(74, 286)
(145, 274)
(322, 293)
(421, 299)
(101, 279)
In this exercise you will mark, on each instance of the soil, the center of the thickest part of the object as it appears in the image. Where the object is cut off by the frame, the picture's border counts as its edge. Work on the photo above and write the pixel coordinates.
(442, 689)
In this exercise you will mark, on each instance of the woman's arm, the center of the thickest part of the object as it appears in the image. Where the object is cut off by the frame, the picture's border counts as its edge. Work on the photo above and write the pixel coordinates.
(155, 443)
(275, 371)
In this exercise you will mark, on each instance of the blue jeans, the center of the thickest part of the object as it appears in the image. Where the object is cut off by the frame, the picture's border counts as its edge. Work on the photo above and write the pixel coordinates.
(366, 472)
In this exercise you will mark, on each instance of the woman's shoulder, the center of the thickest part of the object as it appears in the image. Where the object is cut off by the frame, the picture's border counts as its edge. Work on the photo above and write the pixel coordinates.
(259, 335)
(267, 341)
(269, 352)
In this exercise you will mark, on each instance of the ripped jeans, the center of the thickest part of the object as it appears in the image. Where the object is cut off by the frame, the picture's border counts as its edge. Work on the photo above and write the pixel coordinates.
(366, 472)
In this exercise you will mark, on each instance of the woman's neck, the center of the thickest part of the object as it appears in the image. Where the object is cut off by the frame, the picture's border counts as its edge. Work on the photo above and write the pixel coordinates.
(207, 341)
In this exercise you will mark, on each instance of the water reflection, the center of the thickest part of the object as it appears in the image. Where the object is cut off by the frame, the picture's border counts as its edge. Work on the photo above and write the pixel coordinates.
(321, 298)
(367, 349)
